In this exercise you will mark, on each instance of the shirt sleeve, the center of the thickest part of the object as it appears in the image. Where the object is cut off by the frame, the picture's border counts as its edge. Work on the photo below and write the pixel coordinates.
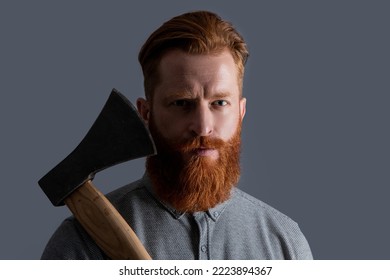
(301, 249)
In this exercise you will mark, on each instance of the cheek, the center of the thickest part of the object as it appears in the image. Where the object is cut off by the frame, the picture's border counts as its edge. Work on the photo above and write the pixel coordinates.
(226, 126)
(168, 126)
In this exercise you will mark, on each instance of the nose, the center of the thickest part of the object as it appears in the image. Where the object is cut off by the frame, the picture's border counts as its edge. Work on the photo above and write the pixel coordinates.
(201, 123)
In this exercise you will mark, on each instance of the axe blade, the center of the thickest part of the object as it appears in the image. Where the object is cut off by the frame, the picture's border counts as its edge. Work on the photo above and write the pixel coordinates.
(117, 135)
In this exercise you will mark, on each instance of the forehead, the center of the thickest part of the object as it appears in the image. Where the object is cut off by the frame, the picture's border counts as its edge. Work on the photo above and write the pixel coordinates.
(181, 71)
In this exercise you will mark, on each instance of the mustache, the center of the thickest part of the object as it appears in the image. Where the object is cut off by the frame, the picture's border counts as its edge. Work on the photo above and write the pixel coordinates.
(199, 142)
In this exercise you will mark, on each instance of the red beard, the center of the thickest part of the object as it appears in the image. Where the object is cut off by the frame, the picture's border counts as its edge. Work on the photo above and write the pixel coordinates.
(190, 182)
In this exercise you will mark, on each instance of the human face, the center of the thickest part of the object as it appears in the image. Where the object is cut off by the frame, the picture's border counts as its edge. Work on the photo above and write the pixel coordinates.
(198, 95)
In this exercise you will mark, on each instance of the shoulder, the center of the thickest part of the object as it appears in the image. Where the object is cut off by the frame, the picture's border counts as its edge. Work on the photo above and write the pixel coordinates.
(71, 242)
(134, 189)
(271, 225)
(133, 196)
(258, 208)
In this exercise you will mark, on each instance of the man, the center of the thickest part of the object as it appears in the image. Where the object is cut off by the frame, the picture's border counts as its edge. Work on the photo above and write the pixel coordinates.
(188, 205)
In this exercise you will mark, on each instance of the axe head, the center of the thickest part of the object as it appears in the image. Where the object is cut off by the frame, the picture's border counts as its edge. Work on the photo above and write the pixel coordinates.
(118, 135)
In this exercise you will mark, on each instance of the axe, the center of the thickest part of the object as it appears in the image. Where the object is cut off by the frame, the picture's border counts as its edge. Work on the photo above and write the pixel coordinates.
(117, 135)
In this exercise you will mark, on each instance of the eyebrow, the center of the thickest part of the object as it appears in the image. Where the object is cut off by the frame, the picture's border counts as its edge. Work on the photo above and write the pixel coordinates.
(189, 95)
(222, 95)
(179, 95)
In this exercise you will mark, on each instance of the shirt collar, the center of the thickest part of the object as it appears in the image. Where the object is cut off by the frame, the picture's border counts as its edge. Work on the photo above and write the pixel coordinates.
(214, 213)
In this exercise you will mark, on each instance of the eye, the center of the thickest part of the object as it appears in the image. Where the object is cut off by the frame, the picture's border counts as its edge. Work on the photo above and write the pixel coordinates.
(220, 103)
(180, 103)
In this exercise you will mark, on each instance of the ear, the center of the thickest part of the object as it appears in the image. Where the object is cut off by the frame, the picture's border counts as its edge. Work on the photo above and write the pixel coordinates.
(242, 108)
(143, 109)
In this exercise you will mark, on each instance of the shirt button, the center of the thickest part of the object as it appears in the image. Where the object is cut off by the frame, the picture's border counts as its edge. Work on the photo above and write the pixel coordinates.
(203, 248)
(216, 214)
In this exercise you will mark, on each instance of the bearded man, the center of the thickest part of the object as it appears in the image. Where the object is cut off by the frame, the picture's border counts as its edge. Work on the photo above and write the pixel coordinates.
(188, 204)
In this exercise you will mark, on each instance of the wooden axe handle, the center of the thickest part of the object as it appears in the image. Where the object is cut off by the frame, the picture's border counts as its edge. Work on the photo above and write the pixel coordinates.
(104, 224)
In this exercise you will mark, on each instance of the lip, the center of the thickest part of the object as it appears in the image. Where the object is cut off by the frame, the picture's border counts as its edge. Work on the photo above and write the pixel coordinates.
(206, 152)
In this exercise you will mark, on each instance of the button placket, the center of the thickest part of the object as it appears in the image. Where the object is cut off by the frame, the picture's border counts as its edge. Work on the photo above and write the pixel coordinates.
(201, 221)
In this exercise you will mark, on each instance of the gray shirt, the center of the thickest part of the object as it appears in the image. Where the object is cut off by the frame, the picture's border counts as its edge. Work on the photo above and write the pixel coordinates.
(242, 227)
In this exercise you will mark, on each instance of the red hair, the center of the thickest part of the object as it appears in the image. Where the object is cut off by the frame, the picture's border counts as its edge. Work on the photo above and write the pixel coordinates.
(198, 32)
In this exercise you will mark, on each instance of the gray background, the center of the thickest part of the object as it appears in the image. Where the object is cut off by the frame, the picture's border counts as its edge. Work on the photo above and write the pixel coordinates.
(316, 135)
